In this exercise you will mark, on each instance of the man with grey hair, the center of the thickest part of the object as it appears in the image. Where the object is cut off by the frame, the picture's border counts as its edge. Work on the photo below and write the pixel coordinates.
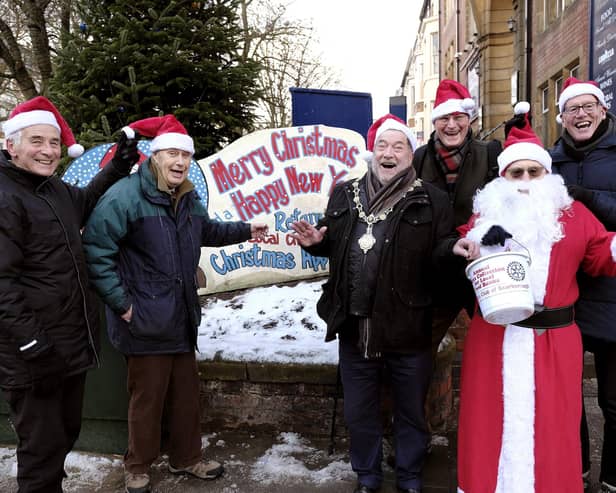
(381, 234)
(48, 318)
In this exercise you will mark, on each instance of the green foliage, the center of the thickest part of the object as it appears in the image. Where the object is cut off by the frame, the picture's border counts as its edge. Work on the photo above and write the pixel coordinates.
(144, 58)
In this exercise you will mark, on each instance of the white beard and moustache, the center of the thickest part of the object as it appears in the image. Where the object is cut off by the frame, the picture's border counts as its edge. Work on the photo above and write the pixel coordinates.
(532, 218)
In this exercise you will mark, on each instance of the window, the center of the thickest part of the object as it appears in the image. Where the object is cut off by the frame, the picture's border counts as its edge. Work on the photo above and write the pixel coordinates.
(420, 78)
(435, 58)
(544, 100)
(574, 72)
(558, 87)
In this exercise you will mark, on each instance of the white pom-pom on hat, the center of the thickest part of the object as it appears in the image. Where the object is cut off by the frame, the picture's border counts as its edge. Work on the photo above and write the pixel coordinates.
(521, 107)
(75, 150)
(468, 104)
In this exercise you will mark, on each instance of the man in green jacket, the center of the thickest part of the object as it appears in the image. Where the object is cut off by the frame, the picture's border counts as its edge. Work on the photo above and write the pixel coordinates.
(143, 243)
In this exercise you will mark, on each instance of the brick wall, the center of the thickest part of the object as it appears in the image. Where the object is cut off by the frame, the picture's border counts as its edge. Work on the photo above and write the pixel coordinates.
(299, 398)
(564, 43)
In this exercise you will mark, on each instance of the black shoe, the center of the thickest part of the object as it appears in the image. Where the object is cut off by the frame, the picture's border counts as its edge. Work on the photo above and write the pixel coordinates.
(362, 488)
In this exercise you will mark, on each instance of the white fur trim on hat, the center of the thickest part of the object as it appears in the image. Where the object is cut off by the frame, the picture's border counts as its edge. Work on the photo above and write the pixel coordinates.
(172, 140)
(29, 118)
(391, 124)
(129, 132)
(578, 89)
(524, 150)
(466, 105)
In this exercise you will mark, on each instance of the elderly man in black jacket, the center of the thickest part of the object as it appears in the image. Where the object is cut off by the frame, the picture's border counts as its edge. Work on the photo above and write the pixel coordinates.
(381, 234)
(48, 320)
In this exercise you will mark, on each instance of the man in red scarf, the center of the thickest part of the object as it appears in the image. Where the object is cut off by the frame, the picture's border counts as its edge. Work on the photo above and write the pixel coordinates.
(459, 164)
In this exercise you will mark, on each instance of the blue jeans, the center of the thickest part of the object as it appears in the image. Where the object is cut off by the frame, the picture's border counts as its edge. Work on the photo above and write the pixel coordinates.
(361, 380)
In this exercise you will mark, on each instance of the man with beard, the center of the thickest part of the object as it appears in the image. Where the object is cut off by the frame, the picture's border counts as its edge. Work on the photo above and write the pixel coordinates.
(520, 403)
(380, 234)
(459, 164)
(584, 156)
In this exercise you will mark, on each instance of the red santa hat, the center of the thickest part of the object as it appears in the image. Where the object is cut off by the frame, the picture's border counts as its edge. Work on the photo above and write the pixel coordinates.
(41, 111)
(523, 143)
(573, 88)
(452, 97)
(167, 131)
(387, 122)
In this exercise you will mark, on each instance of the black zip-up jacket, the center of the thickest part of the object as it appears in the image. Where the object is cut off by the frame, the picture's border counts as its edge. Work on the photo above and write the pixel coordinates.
(44, 290)
(418, 234)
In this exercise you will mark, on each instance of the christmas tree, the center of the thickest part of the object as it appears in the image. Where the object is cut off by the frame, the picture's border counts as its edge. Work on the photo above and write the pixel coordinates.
(141, 58)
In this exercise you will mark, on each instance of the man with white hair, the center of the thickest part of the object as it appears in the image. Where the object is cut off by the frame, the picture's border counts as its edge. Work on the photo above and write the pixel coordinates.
(48, 316)
(381, 233)
(520, 402)
(584, 156)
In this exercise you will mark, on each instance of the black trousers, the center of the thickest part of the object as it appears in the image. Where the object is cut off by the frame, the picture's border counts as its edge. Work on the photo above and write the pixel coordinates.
(47, 428)
(605, 368)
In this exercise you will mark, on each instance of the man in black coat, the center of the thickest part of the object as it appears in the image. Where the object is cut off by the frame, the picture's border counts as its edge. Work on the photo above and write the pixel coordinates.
(584, 155)
(460, 164)
(48, 319)
(381, 234)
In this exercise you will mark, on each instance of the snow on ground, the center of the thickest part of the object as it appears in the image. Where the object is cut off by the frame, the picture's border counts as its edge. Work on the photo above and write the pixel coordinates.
(274, 323)
(290, 460)
(82, 468)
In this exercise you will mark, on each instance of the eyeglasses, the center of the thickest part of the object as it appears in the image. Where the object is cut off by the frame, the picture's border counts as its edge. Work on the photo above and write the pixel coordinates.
(587, 107)
(517, 172)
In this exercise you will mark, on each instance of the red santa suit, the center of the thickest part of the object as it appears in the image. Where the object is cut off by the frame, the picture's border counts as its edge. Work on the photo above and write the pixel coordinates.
(520, 403)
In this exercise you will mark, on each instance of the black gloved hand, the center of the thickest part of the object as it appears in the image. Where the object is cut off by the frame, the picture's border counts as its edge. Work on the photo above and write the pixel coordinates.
(581, 193)
(47, 371)
(496, 235)
(126, 153)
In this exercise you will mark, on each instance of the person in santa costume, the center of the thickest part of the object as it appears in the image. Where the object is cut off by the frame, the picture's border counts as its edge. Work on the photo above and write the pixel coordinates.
(520, 402)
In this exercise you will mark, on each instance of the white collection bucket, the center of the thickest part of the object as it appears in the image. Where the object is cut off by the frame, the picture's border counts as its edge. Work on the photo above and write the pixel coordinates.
(502, 285)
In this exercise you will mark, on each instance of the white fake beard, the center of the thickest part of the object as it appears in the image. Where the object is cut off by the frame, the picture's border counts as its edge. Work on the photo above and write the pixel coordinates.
(531, 216)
